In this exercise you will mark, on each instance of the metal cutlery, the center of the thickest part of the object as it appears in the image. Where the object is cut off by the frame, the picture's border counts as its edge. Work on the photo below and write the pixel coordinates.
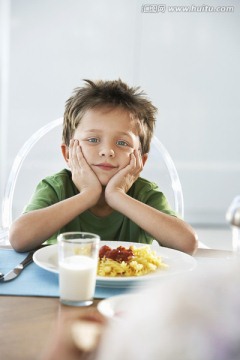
(18, 269)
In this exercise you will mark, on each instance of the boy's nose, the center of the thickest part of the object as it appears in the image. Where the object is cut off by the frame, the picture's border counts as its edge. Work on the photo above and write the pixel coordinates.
(107, 152)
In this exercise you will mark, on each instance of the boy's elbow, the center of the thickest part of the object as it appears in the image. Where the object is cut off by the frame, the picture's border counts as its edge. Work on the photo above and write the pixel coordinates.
(13, 239)
(16, 239)
(191, 243)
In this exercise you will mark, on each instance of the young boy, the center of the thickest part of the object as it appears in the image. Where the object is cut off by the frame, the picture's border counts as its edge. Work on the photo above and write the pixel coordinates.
(107, 130)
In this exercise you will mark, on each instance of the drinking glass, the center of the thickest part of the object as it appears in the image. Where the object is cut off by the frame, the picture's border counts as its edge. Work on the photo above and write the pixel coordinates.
(78, 261)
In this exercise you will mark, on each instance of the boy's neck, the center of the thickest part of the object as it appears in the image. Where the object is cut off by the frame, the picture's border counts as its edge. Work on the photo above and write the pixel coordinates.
(101, 209)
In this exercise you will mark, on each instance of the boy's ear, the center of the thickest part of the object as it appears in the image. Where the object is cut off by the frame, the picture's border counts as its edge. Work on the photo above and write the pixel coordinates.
(144, 158)
(65, 152)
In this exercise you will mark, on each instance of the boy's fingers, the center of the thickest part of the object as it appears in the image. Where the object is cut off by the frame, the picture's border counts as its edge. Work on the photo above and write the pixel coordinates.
(137, 163)
(81, 159)
(77, 158)
(140, 163)
(74, 154)
(70, 153)
(133, 159)
(79, 153)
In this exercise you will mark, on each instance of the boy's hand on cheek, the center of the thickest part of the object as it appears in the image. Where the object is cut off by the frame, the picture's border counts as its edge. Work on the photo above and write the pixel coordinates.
(82, 175)
(124, 179)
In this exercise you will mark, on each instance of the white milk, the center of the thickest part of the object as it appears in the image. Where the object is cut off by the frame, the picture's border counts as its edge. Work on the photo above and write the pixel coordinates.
(77, 278)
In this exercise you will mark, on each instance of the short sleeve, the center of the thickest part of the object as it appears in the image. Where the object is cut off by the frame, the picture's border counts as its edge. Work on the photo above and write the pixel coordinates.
(150, 194)
(44, 196)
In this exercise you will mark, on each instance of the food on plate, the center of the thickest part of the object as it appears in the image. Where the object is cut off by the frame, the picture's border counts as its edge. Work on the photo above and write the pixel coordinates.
(132, 261)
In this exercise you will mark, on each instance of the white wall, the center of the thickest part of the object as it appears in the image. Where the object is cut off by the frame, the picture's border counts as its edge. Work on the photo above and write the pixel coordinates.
(188, 63)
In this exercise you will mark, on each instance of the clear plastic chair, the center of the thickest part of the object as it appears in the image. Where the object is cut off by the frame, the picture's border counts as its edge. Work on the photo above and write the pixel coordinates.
(159, 168)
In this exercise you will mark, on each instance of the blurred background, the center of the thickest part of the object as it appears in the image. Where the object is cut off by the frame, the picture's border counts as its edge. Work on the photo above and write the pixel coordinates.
(185, 56)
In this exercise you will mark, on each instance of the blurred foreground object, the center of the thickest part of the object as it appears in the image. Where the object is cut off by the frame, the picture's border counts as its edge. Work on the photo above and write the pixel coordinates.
(190, 317)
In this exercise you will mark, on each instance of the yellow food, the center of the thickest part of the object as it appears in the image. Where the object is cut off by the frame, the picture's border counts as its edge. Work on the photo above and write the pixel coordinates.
(144, 261)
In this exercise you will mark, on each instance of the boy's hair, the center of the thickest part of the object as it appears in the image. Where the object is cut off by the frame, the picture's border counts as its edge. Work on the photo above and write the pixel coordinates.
(113, 94)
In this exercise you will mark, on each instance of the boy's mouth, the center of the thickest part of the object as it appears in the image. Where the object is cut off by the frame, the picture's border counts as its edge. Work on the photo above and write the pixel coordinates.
(105, 166)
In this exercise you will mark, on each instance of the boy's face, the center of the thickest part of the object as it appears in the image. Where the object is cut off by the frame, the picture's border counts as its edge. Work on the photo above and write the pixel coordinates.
(107, 138)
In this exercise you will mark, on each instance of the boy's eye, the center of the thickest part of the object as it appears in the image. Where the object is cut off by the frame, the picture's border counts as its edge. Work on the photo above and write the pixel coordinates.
(122, 143)
(93, 140)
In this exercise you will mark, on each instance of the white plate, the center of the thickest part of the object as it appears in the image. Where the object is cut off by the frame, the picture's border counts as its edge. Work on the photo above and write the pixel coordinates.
(177, 261)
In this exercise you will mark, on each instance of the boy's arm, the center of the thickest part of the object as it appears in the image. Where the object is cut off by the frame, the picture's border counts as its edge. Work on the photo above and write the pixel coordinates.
(168, 230)
(31, 229)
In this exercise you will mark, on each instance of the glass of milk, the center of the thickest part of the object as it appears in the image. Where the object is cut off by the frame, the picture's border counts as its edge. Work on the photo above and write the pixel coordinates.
(78, 261)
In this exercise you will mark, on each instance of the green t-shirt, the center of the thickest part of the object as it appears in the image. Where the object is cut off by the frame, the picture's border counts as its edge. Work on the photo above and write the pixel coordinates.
(115, 226)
